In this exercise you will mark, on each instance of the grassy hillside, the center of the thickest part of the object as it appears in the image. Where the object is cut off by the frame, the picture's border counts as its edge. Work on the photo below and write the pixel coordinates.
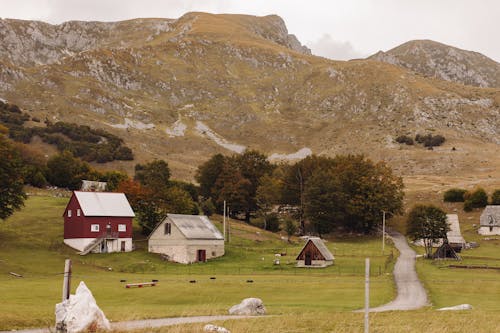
(31, 245)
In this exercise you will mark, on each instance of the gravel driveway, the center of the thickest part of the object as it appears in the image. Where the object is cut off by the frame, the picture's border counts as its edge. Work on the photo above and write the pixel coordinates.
(411, 293)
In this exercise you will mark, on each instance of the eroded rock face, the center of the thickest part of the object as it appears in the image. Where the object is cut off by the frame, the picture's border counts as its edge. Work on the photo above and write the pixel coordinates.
(249, 307)
(80, 312)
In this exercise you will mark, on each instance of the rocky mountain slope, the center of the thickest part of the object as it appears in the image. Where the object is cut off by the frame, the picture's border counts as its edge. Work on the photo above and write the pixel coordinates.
(444, 62)
(185, 89)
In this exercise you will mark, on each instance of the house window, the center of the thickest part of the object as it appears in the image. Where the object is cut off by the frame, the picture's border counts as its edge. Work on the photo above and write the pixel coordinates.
(122, 227)
(168, 228)
(94, 227)
(78, 212)
(69, 212)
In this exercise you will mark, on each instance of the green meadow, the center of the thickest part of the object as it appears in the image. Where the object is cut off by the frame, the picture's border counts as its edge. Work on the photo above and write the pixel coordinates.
(31, 244)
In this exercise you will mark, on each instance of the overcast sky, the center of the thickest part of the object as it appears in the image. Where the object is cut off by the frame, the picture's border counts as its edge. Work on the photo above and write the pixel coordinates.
(337, 29)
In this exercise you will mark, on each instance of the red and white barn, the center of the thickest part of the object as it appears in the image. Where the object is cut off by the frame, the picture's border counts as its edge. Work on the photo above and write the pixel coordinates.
(98, 222)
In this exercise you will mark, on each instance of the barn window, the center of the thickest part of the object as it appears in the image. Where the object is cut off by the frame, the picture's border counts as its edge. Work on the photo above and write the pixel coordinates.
(69, 212)
(168, 228)
(94, 227)
(122, 227)
(78, 212)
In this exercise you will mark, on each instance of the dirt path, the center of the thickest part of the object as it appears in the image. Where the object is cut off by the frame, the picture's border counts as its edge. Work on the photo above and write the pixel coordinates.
(148, 323)
(411, 293)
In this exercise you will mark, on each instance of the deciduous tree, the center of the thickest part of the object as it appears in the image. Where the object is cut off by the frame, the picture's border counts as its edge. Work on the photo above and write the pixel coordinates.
(427, 222)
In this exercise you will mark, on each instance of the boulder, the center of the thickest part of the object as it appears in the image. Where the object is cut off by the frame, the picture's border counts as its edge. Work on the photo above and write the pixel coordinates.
(214, 328)
(80, 313)
(249, 307)
(457, 307)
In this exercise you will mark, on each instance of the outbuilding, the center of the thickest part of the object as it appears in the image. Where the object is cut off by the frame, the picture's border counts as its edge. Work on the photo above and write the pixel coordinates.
(489, 222)
(315, 254)
(98, 222)
(186, 239)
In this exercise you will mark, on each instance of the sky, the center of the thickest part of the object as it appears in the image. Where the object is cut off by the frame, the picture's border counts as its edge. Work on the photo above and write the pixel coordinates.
(336, 29)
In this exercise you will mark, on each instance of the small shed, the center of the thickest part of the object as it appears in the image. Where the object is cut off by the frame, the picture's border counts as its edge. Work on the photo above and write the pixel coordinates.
(489, 222)
(186, 239)
(315, 254)
(446, 252)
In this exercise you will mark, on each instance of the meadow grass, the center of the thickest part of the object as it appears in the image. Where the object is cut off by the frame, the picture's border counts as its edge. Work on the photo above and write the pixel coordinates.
(31, 245)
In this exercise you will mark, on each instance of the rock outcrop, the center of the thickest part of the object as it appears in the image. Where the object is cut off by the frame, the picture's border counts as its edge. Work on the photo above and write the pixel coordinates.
(248, 307)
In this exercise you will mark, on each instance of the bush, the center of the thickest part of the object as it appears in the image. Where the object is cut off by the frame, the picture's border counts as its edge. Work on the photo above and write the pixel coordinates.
(208, 207)
(476, 199)
(272, 222)
(495, 197)
(454, 195)
(430, 141)
(404, 139)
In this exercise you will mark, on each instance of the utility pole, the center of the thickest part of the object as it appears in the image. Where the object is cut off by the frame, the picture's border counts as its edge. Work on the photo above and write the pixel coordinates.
(228, 226)
(367, 294)
(224, 221)
(383, 231)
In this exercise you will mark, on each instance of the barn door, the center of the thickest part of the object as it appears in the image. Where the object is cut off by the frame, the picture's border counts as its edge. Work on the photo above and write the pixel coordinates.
(308, 260)
(202, 255)
(122, 246)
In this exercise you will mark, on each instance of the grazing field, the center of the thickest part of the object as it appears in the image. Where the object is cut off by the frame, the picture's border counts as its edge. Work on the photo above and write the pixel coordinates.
(31, 245)
(299, 300)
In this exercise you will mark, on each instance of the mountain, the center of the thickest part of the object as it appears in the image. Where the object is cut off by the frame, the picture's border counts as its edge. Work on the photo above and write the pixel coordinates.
(184, 89)
(433, 59)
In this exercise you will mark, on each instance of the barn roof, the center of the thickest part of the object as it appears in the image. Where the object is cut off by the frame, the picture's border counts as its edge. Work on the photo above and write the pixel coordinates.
(490, 216)
(320, 246)
(454, 235)
(195, 226)
(104, 204)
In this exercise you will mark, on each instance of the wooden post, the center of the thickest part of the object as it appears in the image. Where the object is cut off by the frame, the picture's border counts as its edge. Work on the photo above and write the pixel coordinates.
(228, 226)
(224, 220)
(383, 231)
(367, 293)
(67, 280)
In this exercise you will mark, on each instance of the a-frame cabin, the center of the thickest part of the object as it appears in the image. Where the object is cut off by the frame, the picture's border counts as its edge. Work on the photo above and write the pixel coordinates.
(315, 254)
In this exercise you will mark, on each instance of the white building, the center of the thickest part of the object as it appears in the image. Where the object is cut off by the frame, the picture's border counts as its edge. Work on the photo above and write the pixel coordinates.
(186, 239)
(489, 222)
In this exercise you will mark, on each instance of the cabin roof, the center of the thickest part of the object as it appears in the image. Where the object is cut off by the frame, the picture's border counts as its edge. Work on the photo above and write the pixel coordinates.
(318, 243)
(490, 217)
(454, 235)
(195, 226)
(104, 204)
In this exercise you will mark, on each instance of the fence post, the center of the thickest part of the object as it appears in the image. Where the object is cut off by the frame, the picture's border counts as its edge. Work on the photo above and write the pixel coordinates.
(367, 293)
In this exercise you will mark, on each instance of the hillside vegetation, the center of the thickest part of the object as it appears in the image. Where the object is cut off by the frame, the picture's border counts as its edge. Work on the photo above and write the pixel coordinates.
(202, 84)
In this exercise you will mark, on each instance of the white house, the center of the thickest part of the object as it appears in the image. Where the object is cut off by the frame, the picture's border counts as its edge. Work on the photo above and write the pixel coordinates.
(314, 254)
(186, 239)
(489, 222)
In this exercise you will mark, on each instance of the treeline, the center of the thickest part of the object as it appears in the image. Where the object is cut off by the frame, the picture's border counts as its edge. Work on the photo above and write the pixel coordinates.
(427, 140)
(322, 194)
(82, 141)
(477, 198)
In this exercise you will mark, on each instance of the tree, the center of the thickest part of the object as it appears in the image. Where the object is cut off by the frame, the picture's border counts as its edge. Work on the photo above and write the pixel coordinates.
(351, 192)
(495, 197)
(207, 174)
(427, 222)
(65, 170)
(154, 175)
(12, 195)
(233, 188)
(113, 179)
(268, 195)
(454, 195)
(290, 227)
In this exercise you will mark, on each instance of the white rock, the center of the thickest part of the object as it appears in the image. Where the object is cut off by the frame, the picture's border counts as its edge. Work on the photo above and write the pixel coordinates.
(457, 307)
(249, 306)
(214, 328)
(80, 312)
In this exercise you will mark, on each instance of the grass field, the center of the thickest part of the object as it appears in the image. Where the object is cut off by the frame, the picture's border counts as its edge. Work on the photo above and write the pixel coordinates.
(299, 299)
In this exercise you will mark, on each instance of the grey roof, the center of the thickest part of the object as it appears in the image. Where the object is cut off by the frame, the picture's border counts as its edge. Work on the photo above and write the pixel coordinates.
(104, 204)
(490, 216)
(195, 226)
(320, 246)
(454, 235)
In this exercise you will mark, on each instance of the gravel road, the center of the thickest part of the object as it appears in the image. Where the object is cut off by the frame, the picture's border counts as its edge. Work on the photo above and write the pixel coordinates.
(411, 293)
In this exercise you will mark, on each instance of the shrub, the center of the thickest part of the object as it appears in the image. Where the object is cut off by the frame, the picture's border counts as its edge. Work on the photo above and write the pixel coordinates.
(404, 139)
(454, 195)
(476, 199)
(495, 197)
(430, 141)
(272, 222)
